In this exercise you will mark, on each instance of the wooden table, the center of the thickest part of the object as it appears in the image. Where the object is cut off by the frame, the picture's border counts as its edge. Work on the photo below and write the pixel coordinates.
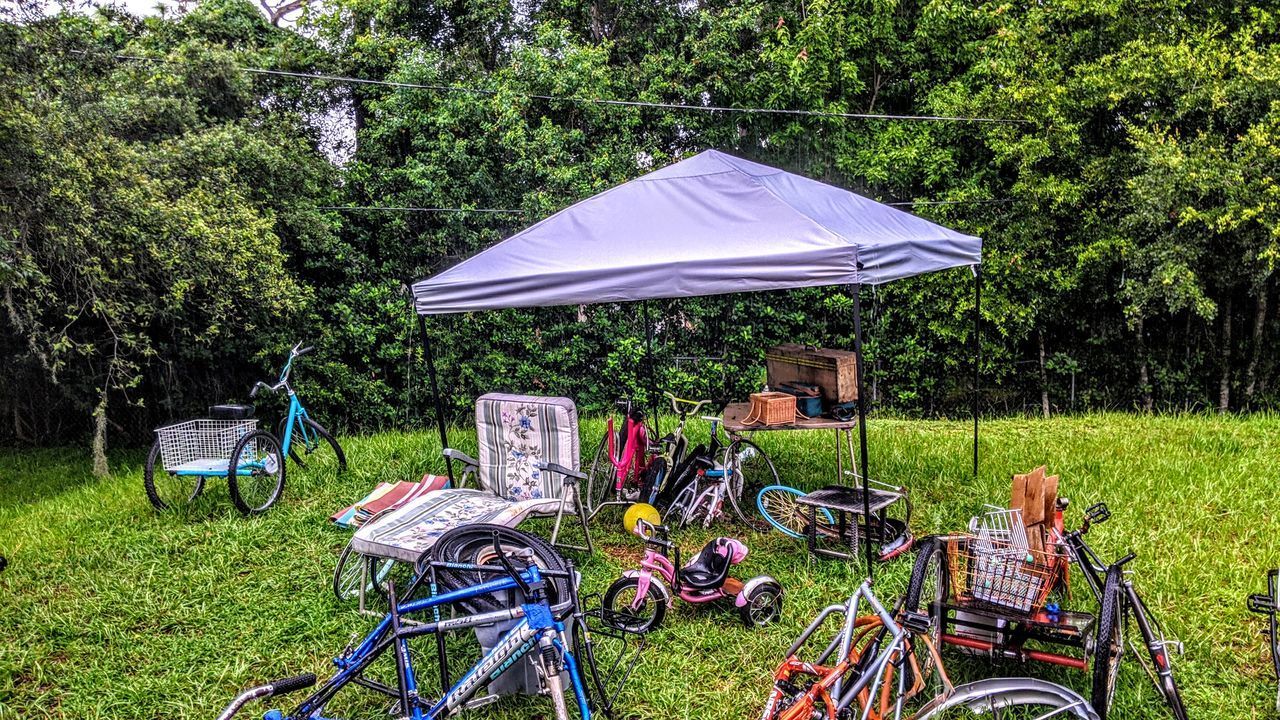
(736, 413)
(843, 500)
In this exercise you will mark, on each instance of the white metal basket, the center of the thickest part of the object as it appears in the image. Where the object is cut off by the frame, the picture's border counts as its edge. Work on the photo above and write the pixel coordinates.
(999, 532)
(201, 445)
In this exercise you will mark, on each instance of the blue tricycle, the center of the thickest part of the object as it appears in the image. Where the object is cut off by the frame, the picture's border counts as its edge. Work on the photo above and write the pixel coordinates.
(229, 444)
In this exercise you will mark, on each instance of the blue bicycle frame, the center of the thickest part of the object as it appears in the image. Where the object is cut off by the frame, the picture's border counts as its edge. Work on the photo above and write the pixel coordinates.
(537, 630)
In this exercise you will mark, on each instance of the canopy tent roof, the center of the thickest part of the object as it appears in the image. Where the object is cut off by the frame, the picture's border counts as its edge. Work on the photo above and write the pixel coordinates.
(707, 225)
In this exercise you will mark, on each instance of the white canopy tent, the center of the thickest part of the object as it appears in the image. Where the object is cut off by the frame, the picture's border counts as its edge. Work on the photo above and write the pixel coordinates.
(707, 225)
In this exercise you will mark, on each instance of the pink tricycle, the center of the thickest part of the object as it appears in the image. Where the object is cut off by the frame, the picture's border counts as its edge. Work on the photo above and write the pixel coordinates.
(638, 600)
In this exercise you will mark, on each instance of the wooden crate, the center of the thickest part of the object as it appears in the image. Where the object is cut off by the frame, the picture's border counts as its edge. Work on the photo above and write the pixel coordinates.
(835, 371)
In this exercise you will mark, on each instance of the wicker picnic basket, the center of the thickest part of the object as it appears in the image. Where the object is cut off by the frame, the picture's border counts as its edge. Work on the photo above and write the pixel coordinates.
(771, 408)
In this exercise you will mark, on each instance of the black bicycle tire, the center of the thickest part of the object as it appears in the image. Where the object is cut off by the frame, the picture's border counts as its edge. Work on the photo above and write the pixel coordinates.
(233, 481)
(1146, 621)
(659, 603)
(453, 545)
(744, 612)
(149, 480)
(596, 498)
(1105, 670)
(930, 549)
(324, 435)
(682, 474)
(754, 489)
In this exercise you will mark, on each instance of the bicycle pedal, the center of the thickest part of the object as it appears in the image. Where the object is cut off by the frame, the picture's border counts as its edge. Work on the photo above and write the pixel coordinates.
(1098, 513)
(481, 701)
(914, 621)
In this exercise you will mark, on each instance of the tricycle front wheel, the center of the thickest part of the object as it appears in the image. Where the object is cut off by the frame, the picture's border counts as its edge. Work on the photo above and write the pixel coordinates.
(255, 473)
(626, 609)
(168, 490)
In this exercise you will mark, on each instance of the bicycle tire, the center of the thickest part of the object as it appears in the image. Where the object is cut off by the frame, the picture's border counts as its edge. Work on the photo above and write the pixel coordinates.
(267, 449)
(1154, 642)
(930, 556)
(324, 435)
(777, 504)
(1108, 646)
(642, 623)
(983, 698)
(153, 491)
(470, 543)
(346, 580)
(681, 511)
(601, 477)
(744, 483)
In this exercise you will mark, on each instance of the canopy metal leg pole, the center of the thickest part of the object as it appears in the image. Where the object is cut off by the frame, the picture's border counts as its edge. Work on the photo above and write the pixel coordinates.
(435, 393)
(862, 426)
(648, 361)
(977, 358)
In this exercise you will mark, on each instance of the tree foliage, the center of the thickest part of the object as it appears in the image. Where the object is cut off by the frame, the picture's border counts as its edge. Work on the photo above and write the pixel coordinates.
(163, 232)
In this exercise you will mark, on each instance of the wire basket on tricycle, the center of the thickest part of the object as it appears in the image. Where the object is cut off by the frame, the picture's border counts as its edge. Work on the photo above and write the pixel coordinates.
(1001, 590)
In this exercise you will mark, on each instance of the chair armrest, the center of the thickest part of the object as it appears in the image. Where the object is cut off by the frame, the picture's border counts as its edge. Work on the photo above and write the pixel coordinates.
(561, 470)
(461, 457)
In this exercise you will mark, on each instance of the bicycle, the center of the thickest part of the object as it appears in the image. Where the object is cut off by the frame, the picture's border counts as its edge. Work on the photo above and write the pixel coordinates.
(539, 633)
(880, 666)
(229, 444)
(1268, 605)
(997, 627)
(732, 468)
(623, 461)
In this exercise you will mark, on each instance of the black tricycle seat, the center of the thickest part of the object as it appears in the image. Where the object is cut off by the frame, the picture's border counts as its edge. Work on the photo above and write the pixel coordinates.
(230, 412)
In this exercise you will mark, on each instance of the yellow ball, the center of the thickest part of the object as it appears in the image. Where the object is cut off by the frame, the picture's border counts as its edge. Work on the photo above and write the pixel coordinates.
(640, 511)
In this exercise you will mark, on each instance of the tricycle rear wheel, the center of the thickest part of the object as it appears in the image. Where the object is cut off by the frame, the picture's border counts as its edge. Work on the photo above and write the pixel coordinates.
(763, 604)
(170, 489)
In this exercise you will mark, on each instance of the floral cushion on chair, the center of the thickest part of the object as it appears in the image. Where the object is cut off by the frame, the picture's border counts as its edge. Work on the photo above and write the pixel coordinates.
(516, 433)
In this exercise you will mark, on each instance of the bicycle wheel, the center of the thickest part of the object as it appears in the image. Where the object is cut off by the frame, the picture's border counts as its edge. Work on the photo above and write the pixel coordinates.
(682, 510)
(169, 489)
(473, 545)
(316, 441)
(1108, 646)
(1011, 699)
(350, 571)
(601, 477)
(255, 473)
(927, 590)
(749, 470)
(1160, 667)
(626, 609)
(777, 503)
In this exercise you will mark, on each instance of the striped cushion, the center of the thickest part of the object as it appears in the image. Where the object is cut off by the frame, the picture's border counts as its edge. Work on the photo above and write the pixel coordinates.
(517, 431)
(406, 533)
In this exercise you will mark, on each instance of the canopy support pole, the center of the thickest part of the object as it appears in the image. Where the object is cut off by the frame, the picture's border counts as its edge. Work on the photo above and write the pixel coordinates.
(654, 405)
(977, 357)
(435, 394)
(862, 426)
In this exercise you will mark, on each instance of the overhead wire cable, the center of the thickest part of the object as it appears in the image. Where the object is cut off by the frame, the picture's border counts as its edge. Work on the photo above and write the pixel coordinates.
(324, 77)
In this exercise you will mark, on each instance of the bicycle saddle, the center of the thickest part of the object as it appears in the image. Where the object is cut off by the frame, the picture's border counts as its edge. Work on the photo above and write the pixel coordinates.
(709, 568)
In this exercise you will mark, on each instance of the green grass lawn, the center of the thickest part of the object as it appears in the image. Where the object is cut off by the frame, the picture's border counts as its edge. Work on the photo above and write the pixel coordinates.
(110, 610)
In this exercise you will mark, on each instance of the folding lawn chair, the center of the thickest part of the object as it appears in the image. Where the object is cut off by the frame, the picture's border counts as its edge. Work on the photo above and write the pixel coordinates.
(528, 467)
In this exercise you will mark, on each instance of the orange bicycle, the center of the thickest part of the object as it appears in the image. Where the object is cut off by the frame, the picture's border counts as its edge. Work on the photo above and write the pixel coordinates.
(879, 666)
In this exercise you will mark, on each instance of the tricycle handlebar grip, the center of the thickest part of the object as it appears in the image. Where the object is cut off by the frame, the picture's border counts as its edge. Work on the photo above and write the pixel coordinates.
(306, 350)
(254, 392)
(288, 685)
